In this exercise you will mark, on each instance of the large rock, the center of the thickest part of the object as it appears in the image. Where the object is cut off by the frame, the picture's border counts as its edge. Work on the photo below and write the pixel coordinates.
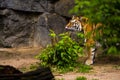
(27, 5)
(64, 6)
(56, 23)
(25, 29)
(41, 32)
(45, 23)
(16, 29)
(26, 23)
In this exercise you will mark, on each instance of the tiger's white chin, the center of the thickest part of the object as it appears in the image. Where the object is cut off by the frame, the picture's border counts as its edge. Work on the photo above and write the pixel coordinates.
(66, 27)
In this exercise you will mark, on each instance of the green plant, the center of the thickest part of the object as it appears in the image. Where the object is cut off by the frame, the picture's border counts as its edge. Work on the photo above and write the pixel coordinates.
(63, 54)
(81, 78)
(117, 67)
(95, 79)
(33, 66)
(60, 79)
(78, 67)
(83, 68)
(23, 69)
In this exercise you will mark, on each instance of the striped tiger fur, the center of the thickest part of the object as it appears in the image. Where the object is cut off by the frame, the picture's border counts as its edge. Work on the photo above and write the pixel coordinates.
(82, 23)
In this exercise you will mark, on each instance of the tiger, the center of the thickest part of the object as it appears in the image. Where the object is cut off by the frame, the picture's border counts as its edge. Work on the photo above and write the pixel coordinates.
(82, 24)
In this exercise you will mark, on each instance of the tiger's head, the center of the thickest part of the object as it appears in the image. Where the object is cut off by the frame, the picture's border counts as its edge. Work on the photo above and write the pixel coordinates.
(76, 23)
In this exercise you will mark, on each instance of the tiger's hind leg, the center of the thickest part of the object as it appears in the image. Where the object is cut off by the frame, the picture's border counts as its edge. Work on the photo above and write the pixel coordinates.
(91, 56)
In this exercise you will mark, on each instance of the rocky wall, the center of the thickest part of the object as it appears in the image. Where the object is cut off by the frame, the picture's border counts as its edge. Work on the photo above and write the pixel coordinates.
(26, 23)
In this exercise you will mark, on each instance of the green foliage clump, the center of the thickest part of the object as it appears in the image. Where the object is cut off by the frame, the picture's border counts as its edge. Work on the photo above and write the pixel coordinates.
(60, 79)
(63, 54)
(83, 68)
(106, 12)
(81, 78)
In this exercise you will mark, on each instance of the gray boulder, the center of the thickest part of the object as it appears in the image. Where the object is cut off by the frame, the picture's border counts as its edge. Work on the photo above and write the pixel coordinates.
(26, 23)
(27, 5)
(64, 6)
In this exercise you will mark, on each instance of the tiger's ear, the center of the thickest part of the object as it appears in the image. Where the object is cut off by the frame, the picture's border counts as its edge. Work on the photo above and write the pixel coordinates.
(77, 18)
(85, 19)
(73, 17)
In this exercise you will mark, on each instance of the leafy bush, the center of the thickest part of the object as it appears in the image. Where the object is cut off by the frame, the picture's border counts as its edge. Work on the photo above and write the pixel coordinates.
(81, 78)
(63, 54)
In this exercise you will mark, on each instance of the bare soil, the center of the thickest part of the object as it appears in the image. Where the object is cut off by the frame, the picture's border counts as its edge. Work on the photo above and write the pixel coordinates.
(99, 72)
(103, 69)
(19, 58)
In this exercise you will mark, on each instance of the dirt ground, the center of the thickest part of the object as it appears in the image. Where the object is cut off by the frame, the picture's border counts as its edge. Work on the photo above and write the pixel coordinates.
(20, 58)
(99, 72)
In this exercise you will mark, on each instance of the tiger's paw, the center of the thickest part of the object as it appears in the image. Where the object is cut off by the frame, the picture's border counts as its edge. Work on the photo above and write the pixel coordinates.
(89, 62)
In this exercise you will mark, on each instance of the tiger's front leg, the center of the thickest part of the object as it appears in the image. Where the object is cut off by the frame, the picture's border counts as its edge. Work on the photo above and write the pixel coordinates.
(90, 51)
(90, 56)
